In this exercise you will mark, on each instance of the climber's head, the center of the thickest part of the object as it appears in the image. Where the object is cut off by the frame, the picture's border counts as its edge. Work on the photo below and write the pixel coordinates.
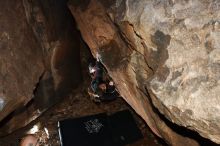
(92, 68)
(29, 140)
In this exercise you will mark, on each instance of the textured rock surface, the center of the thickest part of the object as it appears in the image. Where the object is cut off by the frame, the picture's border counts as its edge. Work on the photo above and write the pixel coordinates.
(167, 48)
(21, 62)
(39, 59)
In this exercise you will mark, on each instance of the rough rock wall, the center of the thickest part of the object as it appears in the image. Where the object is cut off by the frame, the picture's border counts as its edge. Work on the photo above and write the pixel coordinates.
(21, 60)
(166, 48)
(54, 27)
(39, 59)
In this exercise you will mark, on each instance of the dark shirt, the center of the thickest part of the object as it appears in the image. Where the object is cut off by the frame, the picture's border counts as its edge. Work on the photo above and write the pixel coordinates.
(98, 77)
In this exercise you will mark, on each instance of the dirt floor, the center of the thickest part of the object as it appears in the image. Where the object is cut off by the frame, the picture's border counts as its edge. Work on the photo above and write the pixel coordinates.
(78, 104)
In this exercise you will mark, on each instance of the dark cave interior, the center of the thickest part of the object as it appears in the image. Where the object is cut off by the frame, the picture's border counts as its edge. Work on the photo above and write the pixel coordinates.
(61, 89)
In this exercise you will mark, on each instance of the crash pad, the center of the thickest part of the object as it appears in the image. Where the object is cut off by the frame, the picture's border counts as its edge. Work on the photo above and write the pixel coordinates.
(117, 129)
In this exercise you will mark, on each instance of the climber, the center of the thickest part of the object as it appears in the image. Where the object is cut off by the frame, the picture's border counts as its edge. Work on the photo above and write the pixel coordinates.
(101, 87)
(96, 71)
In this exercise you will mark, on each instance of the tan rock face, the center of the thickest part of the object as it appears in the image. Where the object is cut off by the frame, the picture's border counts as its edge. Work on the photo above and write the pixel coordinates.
(21, 58)
(39, 59)
(168, 49)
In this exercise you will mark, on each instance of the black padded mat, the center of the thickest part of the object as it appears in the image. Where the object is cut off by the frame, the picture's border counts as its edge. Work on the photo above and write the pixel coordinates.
(118, 129)
(124, 128)
(85, 131)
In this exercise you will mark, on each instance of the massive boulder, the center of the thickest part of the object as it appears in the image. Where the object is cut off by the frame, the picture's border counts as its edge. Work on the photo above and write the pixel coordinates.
(163, 54)
(39, 59)
(21, 58)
